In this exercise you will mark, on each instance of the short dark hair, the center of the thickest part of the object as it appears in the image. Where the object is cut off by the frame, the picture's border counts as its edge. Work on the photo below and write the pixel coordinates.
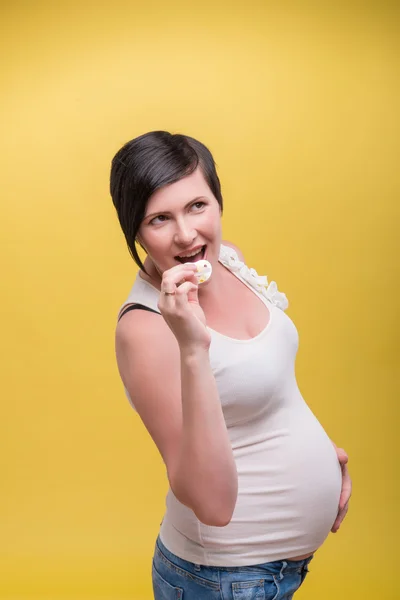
(148, 163)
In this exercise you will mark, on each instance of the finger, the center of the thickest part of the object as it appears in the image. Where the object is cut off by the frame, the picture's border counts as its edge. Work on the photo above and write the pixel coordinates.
(186, 292)
(343, 501)
(337, 523)
(346, 488)
(187, 265)
(178, 274)
(191, 277)
(166, 301)
(184, 267)
(174, 276)
(340, 516)
(346, 475)
(193, 294)
(342, 456)
(335, 527)
(339, 519)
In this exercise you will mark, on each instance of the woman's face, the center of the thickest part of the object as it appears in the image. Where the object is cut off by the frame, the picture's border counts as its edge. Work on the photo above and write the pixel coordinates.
(182, 219)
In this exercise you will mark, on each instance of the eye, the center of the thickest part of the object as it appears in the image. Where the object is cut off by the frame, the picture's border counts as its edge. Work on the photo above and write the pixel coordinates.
(198, 205)
(161, 218)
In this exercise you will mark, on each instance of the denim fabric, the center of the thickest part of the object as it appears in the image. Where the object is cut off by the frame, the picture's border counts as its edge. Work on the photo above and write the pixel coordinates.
(177, 579)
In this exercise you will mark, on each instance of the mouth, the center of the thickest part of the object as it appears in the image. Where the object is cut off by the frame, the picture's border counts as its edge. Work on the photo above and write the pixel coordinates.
(193, 256)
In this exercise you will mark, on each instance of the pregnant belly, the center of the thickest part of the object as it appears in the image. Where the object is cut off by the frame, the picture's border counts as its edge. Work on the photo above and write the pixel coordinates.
(316, 475)
(288, 497)
(289, 488)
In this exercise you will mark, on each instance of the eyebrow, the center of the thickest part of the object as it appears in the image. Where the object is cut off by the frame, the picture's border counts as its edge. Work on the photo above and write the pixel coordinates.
(167, 212)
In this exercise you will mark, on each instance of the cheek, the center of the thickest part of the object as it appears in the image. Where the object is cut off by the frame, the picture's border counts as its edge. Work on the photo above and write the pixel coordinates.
(215, 228)
(213, 221)
(156, 242)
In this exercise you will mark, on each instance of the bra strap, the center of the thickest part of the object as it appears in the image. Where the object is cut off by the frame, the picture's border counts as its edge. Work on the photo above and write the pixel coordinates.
(137, 306)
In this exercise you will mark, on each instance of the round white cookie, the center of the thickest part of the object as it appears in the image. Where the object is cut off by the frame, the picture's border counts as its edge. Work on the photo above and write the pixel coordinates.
(204, 270)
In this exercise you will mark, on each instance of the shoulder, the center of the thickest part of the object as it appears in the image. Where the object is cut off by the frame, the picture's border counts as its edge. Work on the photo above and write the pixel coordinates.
(148, 361)
(137, 329)
(144, 344)
(234, 247)
(148, 358)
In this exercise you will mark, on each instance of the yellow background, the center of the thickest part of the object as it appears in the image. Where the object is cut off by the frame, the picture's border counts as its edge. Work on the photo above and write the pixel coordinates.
(299, 104)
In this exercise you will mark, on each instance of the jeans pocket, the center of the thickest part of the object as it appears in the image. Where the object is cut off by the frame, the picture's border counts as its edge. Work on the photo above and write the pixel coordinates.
(163, 590)
(259, 589)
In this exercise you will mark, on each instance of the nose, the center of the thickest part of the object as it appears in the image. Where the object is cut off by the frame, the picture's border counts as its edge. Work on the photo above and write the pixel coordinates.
(184, 234)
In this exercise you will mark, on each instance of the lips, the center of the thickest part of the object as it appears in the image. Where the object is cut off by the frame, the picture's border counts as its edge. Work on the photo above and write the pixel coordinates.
(199, 256)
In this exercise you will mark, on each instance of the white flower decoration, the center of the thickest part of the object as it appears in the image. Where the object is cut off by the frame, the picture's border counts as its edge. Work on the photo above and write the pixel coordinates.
(230, 259)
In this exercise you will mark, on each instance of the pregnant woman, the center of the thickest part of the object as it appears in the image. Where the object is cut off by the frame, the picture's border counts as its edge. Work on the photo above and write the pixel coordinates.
(256, 485)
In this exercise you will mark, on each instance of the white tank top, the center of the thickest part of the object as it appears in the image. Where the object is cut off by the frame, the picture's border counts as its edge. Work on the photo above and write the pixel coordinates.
(288, 472)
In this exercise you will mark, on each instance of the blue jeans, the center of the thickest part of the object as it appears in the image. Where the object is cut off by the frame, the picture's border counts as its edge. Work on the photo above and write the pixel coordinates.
(177, 579)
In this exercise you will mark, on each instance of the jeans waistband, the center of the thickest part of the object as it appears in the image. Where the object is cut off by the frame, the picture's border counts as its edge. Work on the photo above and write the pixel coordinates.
(275, 568)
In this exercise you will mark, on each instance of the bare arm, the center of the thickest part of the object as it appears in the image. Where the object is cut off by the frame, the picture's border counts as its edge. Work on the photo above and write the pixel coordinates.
(175, 394)
(204, 474)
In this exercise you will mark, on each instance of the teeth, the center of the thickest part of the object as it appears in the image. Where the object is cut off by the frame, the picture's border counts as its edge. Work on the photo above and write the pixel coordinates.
(189, 255)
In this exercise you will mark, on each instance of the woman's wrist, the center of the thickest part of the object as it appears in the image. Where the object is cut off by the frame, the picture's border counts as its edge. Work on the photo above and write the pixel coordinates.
(193, 355)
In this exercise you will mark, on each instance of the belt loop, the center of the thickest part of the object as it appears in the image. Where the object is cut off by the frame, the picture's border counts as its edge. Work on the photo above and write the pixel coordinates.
(197, 567)
(284, 565)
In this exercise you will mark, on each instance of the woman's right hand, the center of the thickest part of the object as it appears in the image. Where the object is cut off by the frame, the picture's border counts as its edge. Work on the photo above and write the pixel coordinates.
(179, 305)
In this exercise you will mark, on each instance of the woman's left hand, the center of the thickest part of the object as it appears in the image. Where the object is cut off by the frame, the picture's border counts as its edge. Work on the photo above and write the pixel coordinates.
(346, 489)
